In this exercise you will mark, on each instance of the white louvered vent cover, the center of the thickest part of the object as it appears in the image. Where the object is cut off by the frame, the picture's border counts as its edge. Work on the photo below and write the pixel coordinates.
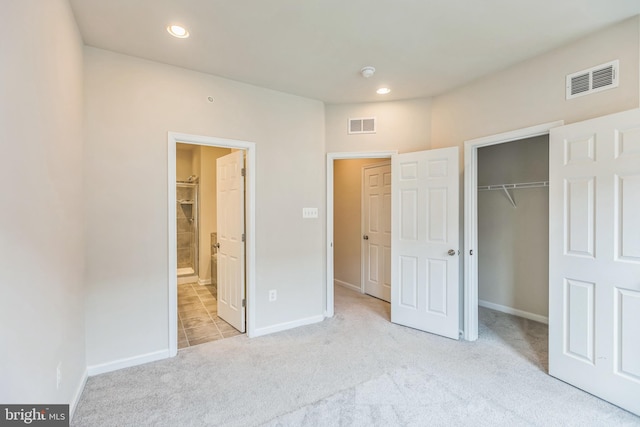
(595, 79)
(362, 125)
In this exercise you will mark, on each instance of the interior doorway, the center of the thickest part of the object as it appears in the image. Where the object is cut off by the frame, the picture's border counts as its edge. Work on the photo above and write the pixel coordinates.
(474, 189)
(203, 292)
(205, 212)
(362, 221)
(353, 276)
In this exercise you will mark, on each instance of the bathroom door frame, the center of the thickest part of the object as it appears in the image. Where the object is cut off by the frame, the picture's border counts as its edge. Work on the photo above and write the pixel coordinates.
(250, 231)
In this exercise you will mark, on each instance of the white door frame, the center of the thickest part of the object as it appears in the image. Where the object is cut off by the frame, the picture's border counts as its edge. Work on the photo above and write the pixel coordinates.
(470, 275)
(250, 218)
(331, 157)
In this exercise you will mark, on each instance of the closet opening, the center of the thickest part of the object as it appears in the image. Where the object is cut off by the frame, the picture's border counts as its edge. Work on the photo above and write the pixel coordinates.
(506, 223)
(513, 228)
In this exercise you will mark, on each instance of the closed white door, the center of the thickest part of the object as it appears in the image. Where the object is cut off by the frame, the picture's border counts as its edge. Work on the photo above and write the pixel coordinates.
(230, 223)
(594, 257)
(424, 249)
(376, 228)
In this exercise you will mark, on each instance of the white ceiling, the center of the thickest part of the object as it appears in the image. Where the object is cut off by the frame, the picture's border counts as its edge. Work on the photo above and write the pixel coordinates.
(316, 48)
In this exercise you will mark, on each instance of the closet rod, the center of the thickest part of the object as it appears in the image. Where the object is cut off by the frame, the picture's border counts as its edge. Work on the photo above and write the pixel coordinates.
(535, 184)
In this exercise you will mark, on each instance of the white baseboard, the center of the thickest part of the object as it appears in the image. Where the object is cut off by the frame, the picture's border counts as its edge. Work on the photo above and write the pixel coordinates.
(204, 282)
(347, 285)
(187, 279)
(514, 311)
(127, 362)
(287, 325)
(76, 396)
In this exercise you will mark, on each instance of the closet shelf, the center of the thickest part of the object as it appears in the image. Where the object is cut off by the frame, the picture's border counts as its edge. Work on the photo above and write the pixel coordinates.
(507, 187)
(513, 186)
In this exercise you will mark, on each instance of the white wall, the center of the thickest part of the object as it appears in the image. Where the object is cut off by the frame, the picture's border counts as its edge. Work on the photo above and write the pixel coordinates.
(131, 104)
(513, 243)
(400, 125)
(533, 91)
(41, 220)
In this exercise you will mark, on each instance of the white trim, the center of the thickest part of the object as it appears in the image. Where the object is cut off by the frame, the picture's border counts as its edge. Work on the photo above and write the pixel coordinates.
(250, 218)
(187, 279)
(127, 362)
(347, 285)
(331, 157)
(76, 396)
(514, 311)
(204, 282)
(288, 325)
(470, 275)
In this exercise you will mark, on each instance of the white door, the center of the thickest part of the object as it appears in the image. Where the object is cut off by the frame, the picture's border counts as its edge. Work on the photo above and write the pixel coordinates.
(376, 227)
(424, 249)
(594, 257)
(230, 223)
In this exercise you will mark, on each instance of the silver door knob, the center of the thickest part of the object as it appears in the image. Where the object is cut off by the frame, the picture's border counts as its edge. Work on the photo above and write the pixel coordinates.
(217, 246)
(451, 252)
(365, 237)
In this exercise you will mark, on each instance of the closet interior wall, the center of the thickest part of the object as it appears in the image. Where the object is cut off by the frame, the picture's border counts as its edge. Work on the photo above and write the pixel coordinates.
(513, 242)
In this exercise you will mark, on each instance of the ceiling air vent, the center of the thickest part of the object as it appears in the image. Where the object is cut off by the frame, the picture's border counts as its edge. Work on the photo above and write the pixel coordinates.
(362, 125)
(595, 79)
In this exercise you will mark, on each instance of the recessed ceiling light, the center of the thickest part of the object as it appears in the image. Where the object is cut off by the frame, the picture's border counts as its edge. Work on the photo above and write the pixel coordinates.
(178, 31)
(383, 91)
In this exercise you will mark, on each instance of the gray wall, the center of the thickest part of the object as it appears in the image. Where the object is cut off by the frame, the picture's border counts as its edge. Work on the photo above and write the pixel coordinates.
(513, 243)
(41, 220)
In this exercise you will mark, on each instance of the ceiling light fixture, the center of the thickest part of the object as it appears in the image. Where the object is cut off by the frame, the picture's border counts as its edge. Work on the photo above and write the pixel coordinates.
(178, 31)
(383, 91)
(367, 71)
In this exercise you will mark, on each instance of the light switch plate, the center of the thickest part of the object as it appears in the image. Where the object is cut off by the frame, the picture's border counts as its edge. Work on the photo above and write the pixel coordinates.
(309, 212)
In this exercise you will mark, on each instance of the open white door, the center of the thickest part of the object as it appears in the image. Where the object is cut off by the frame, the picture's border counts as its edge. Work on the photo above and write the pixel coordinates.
(230, 223)
(424, 248)
(376, 226)
(594, 257)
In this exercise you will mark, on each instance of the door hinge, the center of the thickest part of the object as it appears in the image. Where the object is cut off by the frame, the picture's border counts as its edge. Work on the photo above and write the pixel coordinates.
(243, 172)
(244, 237)
(244, 303)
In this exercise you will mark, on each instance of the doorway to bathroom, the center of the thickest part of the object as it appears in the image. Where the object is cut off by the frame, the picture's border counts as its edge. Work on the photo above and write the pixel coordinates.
(211, 225)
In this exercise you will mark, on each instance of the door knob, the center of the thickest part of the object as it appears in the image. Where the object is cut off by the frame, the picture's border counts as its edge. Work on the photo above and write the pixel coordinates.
(451, 252)
(365, 237)
(217, 246)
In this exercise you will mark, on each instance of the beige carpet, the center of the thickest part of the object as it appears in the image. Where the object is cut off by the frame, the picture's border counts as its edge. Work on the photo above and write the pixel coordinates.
(356, 369)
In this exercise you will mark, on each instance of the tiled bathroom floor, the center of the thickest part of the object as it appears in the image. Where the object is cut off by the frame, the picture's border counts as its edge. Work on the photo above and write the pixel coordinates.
(198, 320)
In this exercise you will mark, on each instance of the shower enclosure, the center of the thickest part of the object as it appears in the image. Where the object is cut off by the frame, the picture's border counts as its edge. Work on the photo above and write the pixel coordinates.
(187, 227)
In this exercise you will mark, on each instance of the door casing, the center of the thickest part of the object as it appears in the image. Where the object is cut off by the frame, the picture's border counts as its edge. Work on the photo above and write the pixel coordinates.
(250, 218)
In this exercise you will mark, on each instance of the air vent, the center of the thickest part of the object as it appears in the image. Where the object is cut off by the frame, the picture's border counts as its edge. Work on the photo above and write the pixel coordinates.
(595, 79)
(362, 125)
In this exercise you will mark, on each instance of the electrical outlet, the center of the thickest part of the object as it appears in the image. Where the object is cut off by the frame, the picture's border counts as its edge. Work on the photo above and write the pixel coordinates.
(59, 375)
(273, 295)
(309, 212)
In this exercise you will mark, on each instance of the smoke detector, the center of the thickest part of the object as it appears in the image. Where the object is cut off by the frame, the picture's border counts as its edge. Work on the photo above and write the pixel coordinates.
(367, 71)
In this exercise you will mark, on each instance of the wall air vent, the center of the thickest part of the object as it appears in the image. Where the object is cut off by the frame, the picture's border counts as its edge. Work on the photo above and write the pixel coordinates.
(595, 79)
(362, 125)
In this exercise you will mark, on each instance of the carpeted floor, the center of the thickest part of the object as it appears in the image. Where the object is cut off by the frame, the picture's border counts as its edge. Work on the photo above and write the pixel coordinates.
(356, 369)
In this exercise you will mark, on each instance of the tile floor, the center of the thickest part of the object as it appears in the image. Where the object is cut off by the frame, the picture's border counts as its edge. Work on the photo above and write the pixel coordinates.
(198, 320)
